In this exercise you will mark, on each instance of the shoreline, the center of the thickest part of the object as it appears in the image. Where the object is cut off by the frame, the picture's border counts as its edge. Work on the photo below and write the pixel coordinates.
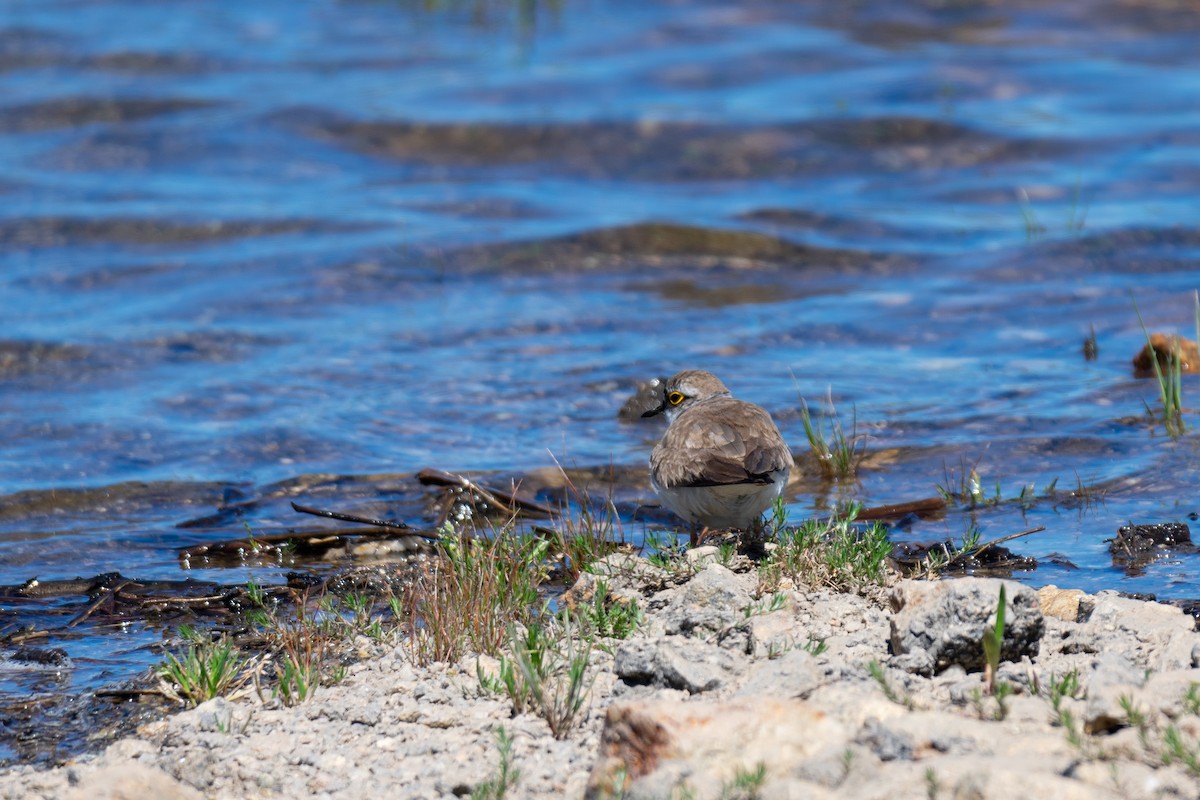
(722, 693)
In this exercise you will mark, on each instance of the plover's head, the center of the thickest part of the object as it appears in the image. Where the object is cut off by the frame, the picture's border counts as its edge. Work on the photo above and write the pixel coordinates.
(686, 389)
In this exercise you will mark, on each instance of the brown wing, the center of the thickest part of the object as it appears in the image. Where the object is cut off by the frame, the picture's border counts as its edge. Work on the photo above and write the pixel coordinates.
(717, 442)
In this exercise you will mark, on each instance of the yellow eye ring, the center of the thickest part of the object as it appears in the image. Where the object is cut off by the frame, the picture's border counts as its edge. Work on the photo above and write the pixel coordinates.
(675, 398)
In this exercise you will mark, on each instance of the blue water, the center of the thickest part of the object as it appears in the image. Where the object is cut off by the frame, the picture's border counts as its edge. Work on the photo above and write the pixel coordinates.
(245, 244)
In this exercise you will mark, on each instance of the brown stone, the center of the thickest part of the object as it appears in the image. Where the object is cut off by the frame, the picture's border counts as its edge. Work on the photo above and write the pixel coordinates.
(1162, 345)
(1060, 603)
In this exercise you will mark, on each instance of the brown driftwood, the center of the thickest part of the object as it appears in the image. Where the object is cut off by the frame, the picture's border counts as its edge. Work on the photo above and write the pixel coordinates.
(928, 507)
(107, 597)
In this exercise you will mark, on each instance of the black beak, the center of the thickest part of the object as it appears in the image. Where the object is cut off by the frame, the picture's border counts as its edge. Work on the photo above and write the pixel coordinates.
(652, 396)
(660, 408)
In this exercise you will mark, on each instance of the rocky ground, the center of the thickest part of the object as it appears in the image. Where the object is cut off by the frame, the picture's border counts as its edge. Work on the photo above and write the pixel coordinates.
(723, 694)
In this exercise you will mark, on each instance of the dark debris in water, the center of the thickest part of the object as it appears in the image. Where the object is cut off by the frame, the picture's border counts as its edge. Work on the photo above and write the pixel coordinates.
(49, 729)
(1189, 607)
(322, 543)
(996, 561)
(39, 656)
(113, 598)
(1136, 546)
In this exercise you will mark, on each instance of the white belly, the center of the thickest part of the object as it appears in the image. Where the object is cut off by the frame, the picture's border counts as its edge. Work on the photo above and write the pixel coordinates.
(736, 505)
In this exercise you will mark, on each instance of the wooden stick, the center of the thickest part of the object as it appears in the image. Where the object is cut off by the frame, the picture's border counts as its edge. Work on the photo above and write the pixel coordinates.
(378, 523)
(106, 595)
(1001, 540)
(922, 508)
